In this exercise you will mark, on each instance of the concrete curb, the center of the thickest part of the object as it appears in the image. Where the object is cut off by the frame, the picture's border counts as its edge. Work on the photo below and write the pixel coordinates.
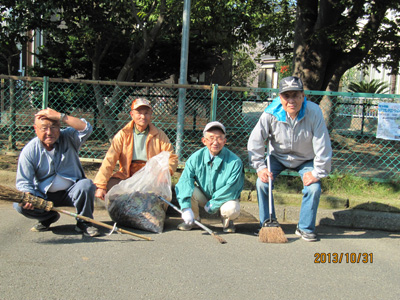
(350, 218)
(362, 219)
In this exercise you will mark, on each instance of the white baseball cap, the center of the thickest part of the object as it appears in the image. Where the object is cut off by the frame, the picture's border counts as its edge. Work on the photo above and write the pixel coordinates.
(214, 124)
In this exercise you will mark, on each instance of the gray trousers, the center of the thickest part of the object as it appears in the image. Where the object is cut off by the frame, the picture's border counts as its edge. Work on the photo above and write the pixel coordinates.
(79, 195)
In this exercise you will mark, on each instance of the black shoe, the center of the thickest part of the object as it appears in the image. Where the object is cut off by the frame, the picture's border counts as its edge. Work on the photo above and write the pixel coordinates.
(45, 225)
(307, 236)
(87, 229)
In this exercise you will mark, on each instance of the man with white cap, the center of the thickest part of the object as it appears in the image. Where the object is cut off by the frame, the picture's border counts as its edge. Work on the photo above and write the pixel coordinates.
(213, 178)
(298, 139)
(132, 146)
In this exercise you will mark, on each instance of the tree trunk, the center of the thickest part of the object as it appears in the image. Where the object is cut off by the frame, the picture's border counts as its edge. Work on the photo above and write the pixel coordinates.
(318, 60)
(106, 111)
(393, 83)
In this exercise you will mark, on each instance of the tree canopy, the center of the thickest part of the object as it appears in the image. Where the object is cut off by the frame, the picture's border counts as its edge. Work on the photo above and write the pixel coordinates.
(16, 19)
(140, 41)
(328, 37)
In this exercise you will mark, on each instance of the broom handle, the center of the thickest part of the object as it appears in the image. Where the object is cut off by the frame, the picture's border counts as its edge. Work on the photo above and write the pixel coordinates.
(195, 221)
(178, 210)
(99, 223)
(11, 194)
(269, 182)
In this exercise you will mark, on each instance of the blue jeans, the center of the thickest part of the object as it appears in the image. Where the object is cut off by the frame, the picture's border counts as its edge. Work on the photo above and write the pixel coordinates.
(80, 195)
(309, 204)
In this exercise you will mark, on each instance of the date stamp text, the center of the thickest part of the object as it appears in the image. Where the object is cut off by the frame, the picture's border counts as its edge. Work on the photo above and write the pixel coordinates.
(343, 257)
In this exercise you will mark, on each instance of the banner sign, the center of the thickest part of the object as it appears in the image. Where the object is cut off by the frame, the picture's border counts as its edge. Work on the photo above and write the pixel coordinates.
(388, 121)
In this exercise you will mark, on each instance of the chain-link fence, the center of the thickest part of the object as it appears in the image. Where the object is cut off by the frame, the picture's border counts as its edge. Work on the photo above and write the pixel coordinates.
(351, 118)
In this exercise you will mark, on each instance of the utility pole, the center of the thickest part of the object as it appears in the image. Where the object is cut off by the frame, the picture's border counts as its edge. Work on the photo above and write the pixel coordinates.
(183, 76)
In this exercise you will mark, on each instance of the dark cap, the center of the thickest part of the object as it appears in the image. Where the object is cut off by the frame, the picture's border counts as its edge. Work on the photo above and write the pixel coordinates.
(214, 124)
(291, 83)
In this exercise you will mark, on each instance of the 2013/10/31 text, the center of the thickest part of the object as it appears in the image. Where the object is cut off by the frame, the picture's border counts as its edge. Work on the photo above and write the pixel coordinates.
(338, 258)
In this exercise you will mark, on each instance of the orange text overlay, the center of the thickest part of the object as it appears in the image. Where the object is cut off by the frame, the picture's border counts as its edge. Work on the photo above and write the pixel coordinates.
(346, 257)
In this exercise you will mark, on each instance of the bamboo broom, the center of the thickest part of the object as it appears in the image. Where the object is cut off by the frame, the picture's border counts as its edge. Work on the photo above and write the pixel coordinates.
(271, 231)
(13, 195)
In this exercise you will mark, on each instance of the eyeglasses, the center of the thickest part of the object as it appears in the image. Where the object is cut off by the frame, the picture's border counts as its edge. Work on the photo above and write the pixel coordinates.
(52, 128)
(212, 139)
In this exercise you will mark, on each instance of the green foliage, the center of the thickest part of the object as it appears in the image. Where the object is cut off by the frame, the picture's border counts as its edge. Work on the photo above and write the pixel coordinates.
(101, 39)
(243, 69)
(357, 186)
(14, 23)
(335, 184)
(349, 76)
(374, 87)
(329, 37)
(98, 40)
(93, 32)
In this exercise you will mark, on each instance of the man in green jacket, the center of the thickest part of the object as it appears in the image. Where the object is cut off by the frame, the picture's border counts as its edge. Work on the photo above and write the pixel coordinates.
(213, 178)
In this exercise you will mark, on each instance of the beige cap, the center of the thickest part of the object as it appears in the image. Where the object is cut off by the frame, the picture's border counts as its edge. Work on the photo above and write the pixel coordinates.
(140, 102)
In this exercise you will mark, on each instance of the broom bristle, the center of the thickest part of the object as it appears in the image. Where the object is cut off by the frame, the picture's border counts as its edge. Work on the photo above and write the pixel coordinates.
(273, 234)
(10, 194)
(13, 195)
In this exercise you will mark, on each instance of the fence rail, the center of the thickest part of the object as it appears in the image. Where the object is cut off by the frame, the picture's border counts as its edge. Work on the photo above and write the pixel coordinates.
(351, 118)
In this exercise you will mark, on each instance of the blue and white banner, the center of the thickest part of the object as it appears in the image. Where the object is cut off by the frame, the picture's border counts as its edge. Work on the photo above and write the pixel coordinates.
(388, 121)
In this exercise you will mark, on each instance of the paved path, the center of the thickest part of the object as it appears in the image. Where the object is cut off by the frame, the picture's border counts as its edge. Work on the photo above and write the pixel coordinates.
(60, 264)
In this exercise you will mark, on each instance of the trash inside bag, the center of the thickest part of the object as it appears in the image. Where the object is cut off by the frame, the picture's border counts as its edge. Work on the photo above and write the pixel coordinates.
(134, 202)
(138, 210)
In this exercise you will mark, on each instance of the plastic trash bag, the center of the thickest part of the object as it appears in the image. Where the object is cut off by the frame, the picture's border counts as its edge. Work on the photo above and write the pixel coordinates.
(134, 202)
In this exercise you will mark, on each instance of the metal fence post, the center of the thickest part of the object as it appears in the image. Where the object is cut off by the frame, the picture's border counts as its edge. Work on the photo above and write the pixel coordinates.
(45, 102)
(2, 96)
(180, 126)
(183, 77)
(363, 117)
(12, 121)
(214, 102)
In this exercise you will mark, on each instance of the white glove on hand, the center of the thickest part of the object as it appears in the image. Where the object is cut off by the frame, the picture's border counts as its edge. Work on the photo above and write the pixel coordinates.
(207, 207)
(188, 216)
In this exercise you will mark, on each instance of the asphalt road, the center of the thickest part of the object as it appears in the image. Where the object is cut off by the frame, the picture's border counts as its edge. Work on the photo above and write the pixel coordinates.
(61, 264)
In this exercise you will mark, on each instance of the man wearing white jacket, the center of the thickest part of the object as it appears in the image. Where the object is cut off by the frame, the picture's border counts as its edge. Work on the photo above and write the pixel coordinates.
(298, 139)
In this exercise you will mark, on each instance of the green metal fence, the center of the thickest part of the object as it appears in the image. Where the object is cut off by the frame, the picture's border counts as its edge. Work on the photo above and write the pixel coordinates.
(351, 118)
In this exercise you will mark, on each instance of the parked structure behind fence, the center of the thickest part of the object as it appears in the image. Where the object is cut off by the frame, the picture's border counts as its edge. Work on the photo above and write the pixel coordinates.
(351, 118)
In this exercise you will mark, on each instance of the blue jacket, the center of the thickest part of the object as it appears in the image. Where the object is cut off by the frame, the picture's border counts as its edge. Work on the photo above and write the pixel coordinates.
(37, 169)
(221, 180)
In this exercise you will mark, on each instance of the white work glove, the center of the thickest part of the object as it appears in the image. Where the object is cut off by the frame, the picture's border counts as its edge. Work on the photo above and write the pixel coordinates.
(188, 216)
